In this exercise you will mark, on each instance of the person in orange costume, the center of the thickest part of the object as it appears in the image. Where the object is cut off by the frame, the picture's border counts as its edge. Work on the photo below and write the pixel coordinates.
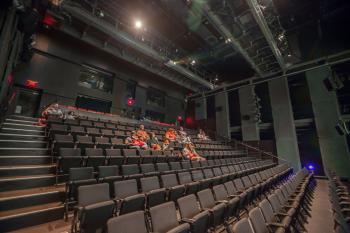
(142, 134)
(171, 134)
(190, 153)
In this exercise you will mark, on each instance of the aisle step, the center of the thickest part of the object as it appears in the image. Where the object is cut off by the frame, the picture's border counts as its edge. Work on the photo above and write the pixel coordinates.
(27, 170)
(17, 121)
(22, 126)
(23, 151)
(12, 160)
(30, 216)
(15, 136)
(22, 131)
(25, 118)
(23, 143)
(26, 182)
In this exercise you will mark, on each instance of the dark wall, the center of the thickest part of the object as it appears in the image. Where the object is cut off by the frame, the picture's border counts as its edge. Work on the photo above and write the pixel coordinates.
(56, 66)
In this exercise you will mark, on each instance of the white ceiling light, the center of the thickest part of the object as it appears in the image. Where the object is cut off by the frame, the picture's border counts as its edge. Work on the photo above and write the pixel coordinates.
(138, 24)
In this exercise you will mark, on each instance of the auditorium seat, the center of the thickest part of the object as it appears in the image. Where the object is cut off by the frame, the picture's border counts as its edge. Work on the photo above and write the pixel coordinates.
(155, 195)
(77, 130)
(231, 201)
(131, 171)
(134, 222)
(95, 157)
(131, 156)
(260, 225)
(164, 219)
(127, 196)
(102, 142)
(69, 158)
(217, 210)
(175, 190)
(57, 129)
(62, 141)
(185, 178)
(148, 169)
(94, 208)
(93, 131)
(192, 214)
(114, 157)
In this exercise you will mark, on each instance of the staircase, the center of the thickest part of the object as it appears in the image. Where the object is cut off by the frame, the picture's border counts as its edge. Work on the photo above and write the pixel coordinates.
(28, 194)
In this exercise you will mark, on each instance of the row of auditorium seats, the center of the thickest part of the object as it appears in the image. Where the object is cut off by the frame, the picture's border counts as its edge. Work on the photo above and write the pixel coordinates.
(339, 197)
(283, 210)
(193, 176)
(70, 157)
(224, 199)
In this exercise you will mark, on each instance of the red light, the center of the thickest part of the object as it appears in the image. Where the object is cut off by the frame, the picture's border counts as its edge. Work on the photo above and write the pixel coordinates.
(31, 83)
(9, 79)
(189, 121)
(179, 118)
(130, 101)
(49, 20)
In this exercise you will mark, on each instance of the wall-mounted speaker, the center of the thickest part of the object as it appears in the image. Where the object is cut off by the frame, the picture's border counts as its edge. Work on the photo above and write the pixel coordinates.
(218, 109)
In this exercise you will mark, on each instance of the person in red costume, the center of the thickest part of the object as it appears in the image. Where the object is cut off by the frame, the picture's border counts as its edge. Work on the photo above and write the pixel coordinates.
(190, 153)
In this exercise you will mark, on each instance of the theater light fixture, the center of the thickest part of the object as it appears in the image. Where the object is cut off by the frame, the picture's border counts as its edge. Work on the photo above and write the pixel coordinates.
(310, 167)
(138, 24)
(193, 62)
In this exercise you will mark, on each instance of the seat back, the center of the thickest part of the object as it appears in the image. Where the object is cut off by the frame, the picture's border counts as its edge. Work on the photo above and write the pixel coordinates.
(81, 173)
(69, 152)
(206, 199)
(94, 152)
(131, 223)
(125, 188)
(149, 183)
(106, 171)
(163, 217)
(91, 194)
(258, 221)
(188, 206)
(243, 226)
(169, 180)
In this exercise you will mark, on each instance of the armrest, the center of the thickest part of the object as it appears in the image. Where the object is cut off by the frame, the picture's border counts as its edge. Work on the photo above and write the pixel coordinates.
(188, 220)
(275, 224)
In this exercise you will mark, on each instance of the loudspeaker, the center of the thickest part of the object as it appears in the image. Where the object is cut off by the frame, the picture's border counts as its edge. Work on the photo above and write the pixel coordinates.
(218, 109)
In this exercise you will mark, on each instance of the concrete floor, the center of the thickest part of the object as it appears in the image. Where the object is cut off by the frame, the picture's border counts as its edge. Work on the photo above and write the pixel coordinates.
(322, 218)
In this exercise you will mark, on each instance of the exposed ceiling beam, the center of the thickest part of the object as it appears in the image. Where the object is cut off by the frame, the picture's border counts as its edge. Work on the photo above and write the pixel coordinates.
(124, 56)
(260, 19)
(216, 21)
(125, 39)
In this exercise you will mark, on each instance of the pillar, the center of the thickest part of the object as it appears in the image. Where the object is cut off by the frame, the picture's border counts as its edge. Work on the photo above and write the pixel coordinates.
(222, 115)
(283, 122)
(250, 128)
(333, 147)
(201, 109)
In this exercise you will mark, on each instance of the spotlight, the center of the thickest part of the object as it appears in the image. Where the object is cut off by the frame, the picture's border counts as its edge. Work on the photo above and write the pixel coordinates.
(216, 79)
(310, 167)
(280, 37)
(228, 40)
(193, 62)
(138, 24)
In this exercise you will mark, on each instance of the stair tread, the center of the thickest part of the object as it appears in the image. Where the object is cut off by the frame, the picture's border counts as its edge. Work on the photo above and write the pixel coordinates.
(38, 126)
(22, 135)
(15, 148)
(26, 141)
(26, 130)
(10, 178)
(27, 166)
(57, 226)
(27, 210)
(31, 191)
(17, 120)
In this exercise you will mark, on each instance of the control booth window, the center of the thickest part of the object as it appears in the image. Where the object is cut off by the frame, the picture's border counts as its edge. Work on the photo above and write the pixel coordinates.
(94, 78)
(155, 97)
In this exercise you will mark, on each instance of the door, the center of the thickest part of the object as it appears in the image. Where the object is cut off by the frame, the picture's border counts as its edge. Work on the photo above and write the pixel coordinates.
(28, 102)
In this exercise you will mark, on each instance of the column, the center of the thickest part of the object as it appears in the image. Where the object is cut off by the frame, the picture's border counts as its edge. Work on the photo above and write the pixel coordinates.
(201, 109)
(250, 128)
(283, 122)
(333, 147)
(222, 115)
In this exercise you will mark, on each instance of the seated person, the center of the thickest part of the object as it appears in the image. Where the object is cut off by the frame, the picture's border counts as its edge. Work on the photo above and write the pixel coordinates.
(182, 136)
(134, 142)
(142, 134)
(54, 110)
(70, 115)
(190, 153)
(171, 135)
(153, 142)
(166, 145)
(202, 135)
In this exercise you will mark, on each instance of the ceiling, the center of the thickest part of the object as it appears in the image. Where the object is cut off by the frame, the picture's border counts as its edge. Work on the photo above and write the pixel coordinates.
(229, 40)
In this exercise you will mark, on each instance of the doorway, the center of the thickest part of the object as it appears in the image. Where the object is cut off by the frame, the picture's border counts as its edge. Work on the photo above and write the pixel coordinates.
(28, 102)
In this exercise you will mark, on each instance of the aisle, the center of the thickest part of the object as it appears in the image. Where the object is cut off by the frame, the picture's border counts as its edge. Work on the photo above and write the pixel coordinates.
(321, 220)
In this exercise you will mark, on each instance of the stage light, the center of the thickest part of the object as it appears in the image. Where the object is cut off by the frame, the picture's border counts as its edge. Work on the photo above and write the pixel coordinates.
(310, 167)
(179, 118)
(138, 24)
(130, 101)
(193, 62)
(31, 83)
(216, 79)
